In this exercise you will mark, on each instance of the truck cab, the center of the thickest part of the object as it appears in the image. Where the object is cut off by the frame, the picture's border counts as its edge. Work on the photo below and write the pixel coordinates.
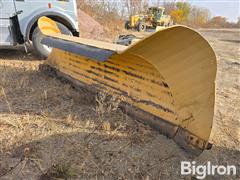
(18, 21)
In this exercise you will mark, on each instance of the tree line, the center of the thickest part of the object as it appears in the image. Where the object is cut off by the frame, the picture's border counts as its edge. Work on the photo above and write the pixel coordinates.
(181, 12)
(185, 13)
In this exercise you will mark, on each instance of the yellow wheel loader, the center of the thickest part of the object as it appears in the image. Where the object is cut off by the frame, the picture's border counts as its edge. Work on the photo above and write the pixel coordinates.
(167, 79)
(155, 17)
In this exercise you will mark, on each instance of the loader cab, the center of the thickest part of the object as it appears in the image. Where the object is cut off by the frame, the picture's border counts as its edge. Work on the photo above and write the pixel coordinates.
(156, 13)
(18, 21)
(153, 10)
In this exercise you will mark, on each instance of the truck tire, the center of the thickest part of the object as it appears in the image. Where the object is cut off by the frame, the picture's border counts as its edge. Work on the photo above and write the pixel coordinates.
(43, 50)
(141, 27)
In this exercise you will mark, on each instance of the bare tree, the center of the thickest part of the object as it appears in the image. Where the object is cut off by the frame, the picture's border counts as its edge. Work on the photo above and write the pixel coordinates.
(169, 6)
(199, 16)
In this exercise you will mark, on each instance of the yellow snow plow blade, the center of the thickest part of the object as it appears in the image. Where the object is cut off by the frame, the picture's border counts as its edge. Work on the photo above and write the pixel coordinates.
(167, 79)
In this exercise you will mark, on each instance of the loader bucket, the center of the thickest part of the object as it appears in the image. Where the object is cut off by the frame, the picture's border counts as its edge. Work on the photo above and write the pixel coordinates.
(167, 79)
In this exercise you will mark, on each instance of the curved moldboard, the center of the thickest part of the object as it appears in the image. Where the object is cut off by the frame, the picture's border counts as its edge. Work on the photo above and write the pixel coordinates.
(167, 78)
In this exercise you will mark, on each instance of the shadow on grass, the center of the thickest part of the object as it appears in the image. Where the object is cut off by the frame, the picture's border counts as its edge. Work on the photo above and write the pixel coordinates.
(18, 53)
(68, 156)
(46, 145)
(232, 41)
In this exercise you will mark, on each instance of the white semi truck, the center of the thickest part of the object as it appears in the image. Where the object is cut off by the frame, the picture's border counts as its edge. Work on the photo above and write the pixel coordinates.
(18, 21)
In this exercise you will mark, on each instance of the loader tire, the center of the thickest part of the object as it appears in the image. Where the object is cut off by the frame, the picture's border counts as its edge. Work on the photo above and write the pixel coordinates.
(141, 27)
(43, 50)
(127, 25)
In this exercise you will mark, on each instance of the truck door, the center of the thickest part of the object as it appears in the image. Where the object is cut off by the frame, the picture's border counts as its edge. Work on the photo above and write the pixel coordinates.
(7, 10)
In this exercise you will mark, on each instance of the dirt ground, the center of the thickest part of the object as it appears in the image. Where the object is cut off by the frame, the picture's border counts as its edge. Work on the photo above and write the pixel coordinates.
(49, 130)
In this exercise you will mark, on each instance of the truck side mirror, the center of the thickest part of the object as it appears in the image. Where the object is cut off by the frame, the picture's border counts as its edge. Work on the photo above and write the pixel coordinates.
(19, 12)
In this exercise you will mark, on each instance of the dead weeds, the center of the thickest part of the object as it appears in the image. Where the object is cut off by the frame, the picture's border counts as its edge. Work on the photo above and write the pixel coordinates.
(50, 130)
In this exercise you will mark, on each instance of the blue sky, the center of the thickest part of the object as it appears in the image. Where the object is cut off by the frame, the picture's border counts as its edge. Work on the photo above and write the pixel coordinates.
(227, 8)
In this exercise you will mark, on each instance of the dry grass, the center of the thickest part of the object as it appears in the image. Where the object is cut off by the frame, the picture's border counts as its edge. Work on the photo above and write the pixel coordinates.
(59, 171)
(36, 107)
(50, 130)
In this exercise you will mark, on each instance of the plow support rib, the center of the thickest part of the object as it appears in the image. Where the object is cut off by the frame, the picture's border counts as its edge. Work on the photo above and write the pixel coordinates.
(167, 79)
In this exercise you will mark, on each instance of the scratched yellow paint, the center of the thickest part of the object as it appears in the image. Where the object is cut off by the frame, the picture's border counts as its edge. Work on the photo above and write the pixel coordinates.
(170, 74)
(77, 66)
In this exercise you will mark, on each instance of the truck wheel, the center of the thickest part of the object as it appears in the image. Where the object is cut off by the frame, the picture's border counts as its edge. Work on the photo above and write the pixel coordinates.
(141, 27)
(41, 49)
